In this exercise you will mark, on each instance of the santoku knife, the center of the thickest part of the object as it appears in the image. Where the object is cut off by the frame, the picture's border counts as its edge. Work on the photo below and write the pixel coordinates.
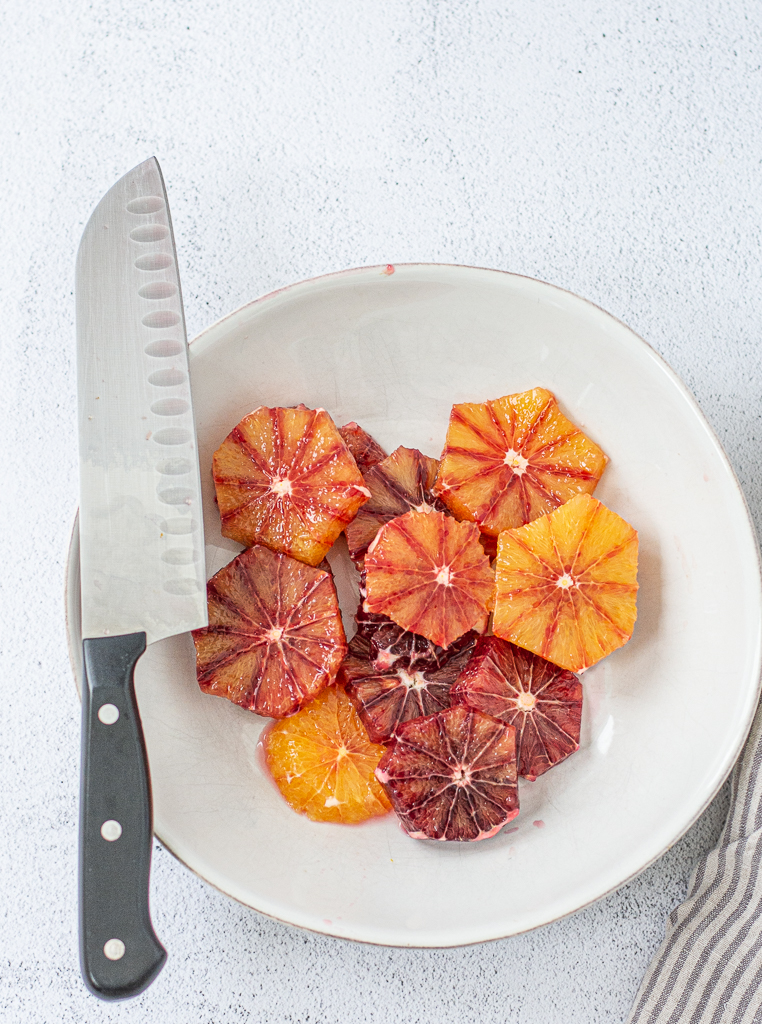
(142, 552)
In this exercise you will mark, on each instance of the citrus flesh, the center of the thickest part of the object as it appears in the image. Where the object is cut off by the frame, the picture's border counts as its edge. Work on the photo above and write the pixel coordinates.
(275, 636)
(401, 482)
(429, 574)
(323, 762)
(566, 584)
(363, 448)
(286, 479)
(508, 461)
(390, 644)
(452, 775)
(407, 688)
(542, 701)
(489, 543)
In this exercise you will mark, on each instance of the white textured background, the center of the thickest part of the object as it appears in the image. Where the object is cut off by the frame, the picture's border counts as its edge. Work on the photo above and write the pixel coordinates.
(612, 148)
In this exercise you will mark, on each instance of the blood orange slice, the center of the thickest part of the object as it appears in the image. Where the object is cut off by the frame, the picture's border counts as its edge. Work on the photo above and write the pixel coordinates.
(387, 697)
(403, 481)
(390, 647)
(429, 574)
(542, 701)
(566, 584)
(390, 644)
(323, 762)
(363, 448)
(275, 636)
(452, 775)
(285, 478)
(509, 461)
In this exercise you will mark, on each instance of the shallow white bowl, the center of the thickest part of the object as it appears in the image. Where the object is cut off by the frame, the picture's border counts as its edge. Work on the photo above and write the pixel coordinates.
(664, 717)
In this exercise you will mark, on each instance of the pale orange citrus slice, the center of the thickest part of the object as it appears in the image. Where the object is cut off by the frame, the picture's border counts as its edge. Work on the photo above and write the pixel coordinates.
(323, 762)
(428, 573)
(285, 478)
(566, 584)
(509, 461)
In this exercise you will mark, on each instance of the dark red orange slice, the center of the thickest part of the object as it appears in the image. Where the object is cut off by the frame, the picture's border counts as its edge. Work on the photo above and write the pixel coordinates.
(385, 697)
(452, 775)
(542, 701)
(403, 481)
(364, 449)
(275, 636)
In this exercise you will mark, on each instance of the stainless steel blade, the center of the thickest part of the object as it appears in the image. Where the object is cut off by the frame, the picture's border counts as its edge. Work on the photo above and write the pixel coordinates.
(141, 528)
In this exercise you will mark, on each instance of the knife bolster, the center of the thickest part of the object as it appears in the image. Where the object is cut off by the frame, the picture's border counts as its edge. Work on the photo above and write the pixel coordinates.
(111, 660)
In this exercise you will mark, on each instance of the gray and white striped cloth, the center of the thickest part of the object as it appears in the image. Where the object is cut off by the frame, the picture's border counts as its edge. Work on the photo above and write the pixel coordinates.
(709, 967)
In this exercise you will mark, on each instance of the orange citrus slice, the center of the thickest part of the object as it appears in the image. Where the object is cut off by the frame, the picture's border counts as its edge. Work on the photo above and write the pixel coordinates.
(323, 762)
(429, 574)
(286, 479)
(509, 461)
(566, 584)
(275, 636)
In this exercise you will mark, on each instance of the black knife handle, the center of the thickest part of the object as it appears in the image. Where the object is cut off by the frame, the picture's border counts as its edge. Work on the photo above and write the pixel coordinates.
(120, 954)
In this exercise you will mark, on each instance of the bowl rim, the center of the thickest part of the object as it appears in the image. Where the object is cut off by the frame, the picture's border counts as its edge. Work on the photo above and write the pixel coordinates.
(71, 587)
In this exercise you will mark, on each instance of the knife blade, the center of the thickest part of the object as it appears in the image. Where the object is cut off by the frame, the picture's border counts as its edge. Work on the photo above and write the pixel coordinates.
(141, 559)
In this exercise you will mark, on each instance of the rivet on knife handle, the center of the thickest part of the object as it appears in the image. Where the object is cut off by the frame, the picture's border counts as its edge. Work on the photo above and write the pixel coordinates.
(120, 953)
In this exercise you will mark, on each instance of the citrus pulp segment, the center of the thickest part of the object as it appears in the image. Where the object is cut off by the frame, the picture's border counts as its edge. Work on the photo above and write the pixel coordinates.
(363, 448)
(385, 697)
(323, 762)
(566, 584)
(390, 644)
(452, 775)
(542, 701)
(286, 479)
(489, 543)
(275, 636)
(401, 482)
(508, 461)
(429, 574)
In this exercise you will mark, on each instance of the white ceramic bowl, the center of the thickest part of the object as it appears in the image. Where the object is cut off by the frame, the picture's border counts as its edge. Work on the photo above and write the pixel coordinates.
(664, 717)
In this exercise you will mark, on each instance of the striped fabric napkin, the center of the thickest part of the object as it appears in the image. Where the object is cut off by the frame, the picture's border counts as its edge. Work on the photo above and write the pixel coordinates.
(709, 967)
